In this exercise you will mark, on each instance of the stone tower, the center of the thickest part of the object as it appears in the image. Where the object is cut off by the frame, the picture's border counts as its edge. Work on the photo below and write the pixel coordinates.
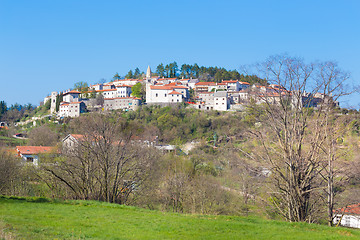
(148, 73)
(53, 102)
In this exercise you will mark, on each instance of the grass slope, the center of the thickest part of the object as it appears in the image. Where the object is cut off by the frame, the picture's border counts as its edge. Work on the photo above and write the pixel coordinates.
(43, 219)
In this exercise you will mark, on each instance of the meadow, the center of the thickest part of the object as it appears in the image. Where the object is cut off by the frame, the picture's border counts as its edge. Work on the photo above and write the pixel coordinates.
(41, 218)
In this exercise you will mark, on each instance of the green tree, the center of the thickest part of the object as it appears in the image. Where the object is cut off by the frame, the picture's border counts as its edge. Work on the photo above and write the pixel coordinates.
(167, 70)
(160, 70)
(130, 75)
(3, 108)
(138, 90)
(116, 76)
(137, 73)
(81, 86)
(59, 99)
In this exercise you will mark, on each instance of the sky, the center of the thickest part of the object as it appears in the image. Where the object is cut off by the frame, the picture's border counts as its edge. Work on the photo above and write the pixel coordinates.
(48, 46)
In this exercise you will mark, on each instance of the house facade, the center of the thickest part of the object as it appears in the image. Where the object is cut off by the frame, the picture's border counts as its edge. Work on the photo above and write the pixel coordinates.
(348, 216)
(125, 103)
(71, 109)
(30, 154)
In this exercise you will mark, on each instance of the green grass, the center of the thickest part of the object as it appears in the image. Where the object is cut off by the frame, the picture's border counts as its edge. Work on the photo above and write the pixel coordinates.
(39, 218)
(9, 141)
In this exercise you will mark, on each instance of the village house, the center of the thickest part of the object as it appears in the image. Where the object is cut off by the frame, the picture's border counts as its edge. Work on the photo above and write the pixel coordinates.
(232, 85)
(71, 96)
(221, 101)
(204, 86)
(129, 82)
(71, 141)
(125, 103)
(348, 216)
(192, 83)
(166, 94)
(71, 109)
(108, 93)
(30, 154)
(123, 91)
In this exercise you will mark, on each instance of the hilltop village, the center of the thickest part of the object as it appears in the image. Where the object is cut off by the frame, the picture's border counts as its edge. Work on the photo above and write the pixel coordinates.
(227, 95)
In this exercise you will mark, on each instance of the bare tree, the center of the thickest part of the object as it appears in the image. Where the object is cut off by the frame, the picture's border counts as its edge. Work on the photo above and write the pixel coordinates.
(103, 164)
(43, 136)
(9, 173)
(297, 107)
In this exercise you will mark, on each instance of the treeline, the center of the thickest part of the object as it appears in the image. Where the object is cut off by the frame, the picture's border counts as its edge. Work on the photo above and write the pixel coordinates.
(15, 112)
(207, 74)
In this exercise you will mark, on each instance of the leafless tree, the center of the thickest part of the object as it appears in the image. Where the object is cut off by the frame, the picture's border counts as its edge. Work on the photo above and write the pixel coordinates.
(292, 136)
(104, 164)
(9, 173)
(43, 136)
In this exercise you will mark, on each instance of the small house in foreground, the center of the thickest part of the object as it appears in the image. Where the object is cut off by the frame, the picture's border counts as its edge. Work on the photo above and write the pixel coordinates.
(30, 154)
(348, 216)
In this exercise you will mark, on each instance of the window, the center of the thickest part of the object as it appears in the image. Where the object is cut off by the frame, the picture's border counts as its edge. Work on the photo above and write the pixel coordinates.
(29, 159)
(156, 95)
(165, 94)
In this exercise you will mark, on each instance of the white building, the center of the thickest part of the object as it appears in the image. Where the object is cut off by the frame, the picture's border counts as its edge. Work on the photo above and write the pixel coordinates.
(108, 93)
(221, 101)
(72, 109)
(130, 82)
(96, 87)
(232, 85)
(30, 154)
(348, 217)
(169, 93)
(125, 103)
(192, 83)
(71, 96)
(123, 91)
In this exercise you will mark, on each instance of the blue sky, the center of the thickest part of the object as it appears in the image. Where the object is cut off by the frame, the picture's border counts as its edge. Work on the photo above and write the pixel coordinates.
(49, 45)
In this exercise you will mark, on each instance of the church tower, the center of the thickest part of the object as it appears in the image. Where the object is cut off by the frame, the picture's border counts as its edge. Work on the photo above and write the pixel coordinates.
(148, 73)
(53, 102)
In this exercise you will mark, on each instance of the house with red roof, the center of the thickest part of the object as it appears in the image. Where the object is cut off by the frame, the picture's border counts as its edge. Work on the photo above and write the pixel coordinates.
(30, 154)
(71, 109)
(71, 96)
(167, 93)
(348, 216)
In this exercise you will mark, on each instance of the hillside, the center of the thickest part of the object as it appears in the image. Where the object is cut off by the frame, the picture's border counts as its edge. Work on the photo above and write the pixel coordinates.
(40, 218)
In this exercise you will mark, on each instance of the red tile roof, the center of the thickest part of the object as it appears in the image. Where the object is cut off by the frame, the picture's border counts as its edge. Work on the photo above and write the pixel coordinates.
(205, 83)
(244, 83)
(164, 79)
(78, 136)
(106, 90)
(351, 209)
(72, 92)
(175, 92)
(29, 150)
(230, 81)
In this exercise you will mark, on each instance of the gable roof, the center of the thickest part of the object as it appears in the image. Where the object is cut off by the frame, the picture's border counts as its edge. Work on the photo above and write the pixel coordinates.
(77, 137)
(175, 92)
(244, 83)
(30, 150)
(205, 83)
(350, 210)
(230, 81)
(72, 92)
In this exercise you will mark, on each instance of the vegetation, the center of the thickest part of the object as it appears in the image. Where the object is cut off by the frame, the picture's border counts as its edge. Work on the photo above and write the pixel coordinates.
(279, 161)
(40, 218)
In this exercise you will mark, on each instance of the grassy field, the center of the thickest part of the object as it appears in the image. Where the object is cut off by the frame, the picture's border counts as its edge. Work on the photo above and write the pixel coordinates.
(44, 219)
